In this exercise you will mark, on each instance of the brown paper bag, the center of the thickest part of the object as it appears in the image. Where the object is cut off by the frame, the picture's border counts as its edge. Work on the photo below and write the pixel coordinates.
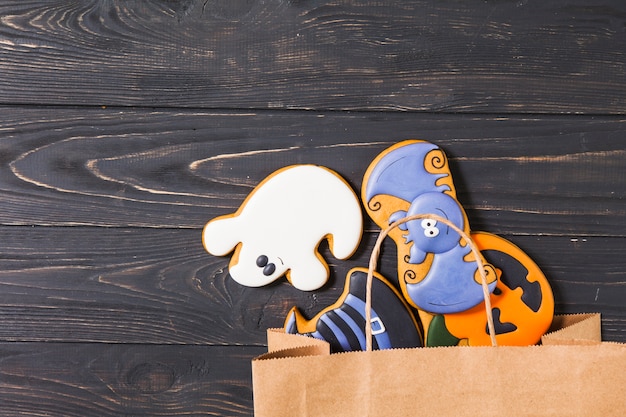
(572, 373)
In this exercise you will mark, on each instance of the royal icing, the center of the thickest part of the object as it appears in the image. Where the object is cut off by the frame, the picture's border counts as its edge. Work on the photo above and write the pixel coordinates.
(437, 274)
(402, 173)
(278, 228)
(342, 324)
(522, 303)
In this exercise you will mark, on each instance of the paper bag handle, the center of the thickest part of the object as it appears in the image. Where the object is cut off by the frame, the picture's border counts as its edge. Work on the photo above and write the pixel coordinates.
(374, 260)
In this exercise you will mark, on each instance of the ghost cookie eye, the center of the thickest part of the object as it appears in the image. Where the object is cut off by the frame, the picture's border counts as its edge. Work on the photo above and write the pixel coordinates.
(269, 269)
(261, 261)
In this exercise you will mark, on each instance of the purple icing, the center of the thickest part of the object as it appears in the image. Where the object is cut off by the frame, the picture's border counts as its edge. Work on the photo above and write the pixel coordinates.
(449, 286)
(401, 173)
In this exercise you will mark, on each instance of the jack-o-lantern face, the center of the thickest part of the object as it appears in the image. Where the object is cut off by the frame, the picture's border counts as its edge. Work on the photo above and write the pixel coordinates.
(522, 303)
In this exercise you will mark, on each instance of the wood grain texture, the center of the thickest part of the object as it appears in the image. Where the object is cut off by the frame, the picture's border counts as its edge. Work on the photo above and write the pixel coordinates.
(77, 380)
(154, 286)
(559, 56)
(126, 125)
(178, 169)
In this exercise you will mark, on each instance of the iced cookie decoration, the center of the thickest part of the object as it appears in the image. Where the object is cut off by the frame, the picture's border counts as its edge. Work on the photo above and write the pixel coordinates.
(342, 324)
(278, 228)
(522, 303)
(436, 269)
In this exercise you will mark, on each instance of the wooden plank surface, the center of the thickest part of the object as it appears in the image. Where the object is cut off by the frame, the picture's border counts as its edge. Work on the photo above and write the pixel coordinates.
(77, 380)
(115, 168)
(103, 211)
(559, 56)
(126, 125)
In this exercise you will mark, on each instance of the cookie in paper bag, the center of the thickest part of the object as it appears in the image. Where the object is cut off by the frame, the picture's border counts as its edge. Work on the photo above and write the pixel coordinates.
(342, 324)
(522, 303)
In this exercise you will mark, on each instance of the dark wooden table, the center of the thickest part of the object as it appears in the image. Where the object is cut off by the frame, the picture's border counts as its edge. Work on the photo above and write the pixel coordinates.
(126, 125)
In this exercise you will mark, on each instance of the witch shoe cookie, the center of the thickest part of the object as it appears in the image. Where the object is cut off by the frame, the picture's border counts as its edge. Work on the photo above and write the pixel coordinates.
(343, 323)
(279, 226)
(436, 268)
(522, 303)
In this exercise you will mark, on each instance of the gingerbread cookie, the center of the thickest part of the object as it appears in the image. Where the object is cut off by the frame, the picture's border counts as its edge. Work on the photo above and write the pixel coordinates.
(279, 226)
(343, 323)
(436, 268)
(522, 303)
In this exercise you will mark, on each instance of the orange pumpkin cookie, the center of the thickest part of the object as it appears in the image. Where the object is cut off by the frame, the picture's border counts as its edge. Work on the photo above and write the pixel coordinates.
(522, 303)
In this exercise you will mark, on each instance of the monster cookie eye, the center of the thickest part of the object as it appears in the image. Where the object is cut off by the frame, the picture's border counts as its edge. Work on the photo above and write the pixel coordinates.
(430, 228)
(261, 261)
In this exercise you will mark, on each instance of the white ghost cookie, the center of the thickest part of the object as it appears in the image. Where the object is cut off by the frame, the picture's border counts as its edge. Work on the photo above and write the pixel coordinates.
(278, 228)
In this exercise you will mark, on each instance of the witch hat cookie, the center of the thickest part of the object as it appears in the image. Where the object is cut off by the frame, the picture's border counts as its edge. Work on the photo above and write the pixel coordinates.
(436, 269)
(278, 228)
(343, 323)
